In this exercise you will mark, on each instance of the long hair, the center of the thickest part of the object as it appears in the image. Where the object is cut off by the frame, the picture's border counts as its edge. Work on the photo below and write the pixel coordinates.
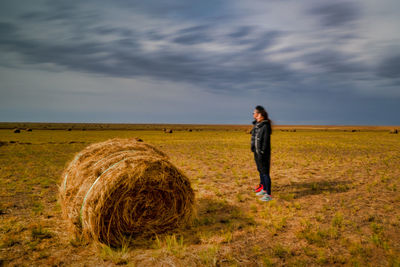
(264, 113)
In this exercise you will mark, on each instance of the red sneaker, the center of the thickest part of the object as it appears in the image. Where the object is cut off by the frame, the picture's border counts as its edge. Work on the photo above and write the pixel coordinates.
(259, 188)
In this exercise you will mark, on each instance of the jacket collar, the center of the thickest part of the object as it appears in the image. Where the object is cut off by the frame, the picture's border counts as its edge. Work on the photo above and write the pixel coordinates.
(259, 124)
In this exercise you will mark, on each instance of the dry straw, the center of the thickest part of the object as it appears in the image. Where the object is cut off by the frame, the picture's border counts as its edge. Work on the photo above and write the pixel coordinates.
(123, 188)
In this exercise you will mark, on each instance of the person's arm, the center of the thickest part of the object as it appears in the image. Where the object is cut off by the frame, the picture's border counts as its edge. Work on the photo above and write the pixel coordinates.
(253, 139)
(266, 131)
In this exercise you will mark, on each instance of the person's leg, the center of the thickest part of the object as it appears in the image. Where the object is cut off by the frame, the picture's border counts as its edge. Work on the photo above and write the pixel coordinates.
(259, 166)
(266, 179)
(267, 183)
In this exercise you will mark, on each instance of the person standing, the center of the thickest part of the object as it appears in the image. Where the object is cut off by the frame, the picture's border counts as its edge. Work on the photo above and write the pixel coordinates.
(261, 147)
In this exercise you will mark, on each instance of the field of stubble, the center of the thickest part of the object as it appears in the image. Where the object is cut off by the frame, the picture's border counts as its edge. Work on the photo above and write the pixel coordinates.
(336, 201)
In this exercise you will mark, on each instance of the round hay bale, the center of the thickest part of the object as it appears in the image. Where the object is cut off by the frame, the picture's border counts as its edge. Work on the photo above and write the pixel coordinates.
(69, 129)
(17, 131)
(123, 188)
(29, 130)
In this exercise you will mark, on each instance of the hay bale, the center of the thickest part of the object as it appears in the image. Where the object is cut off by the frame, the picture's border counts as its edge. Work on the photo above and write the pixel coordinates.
(29, 130)
(124, 188)
(168, 131)
(69, 129)
(394, 131)
(17, 130)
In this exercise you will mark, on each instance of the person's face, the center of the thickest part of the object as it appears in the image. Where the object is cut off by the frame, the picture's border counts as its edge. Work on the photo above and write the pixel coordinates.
(257, 116)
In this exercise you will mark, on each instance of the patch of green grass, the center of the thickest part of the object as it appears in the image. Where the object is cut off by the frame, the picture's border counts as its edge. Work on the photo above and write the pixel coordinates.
(37, 207)
(39, 233)
(286, 196)
(337, 220)
(204, 220)
(318, 236)
(322, 257)
(239, 197)
(9, 241)
(228, 236)
(267, 261)
(377, 237)
(77, 241)
(281, 251)
(175, 244)
(118, 256)
(208, 256)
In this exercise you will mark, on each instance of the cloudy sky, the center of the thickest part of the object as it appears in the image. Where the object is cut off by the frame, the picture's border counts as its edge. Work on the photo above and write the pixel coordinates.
(209, 61)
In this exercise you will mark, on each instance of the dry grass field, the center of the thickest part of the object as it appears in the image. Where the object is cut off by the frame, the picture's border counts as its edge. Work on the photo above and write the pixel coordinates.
(336, 199)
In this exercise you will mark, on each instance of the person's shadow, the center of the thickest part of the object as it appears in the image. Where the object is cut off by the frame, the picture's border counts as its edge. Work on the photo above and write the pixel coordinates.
(303, 189)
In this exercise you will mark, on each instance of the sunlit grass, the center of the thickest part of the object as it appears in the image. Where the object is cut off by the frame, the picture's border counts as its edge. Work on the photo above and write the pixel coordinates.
(335, 200)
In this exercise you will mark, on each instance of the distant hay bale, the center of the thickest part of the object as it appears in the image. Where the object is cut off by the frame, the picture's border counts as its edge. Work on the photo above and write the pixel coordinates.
(168, 131)
(29, 130)
(17, 130)
(124, 188)
(69, 129)
(394, 131)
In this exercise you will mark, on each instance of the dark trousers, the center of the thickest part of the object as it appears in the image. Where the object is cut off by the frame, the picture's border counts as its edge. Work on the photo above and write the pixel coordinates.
(263, 166)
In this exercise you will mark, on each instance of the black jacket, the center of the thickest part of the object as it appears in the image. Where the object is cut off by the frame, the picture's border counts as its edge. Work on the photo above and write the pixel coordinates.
(261, 138)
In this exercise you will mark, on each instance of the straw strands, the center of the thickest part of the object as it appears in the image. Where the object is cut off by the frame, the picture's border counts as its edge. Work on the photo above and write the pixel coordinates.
(124, 188)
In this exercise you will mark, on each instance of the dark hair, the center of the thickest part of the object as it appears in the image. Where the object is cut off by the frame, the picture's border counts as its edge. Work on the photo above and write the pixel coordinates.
(264, 113)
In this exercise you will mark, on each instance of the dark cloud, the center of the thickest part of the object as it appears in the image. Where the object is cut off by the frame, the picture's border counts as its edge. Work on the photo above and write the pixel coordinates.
(336, 14)
(158, 40)
(7, 30)
(255, 40)
(191, 39)
(155, 36)
(265, 40)
(177, 9)
(60, 11)
(390, 67)
(103, 30)
(241, 32)
(193, 35)
(125, 57)
(333, 61)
